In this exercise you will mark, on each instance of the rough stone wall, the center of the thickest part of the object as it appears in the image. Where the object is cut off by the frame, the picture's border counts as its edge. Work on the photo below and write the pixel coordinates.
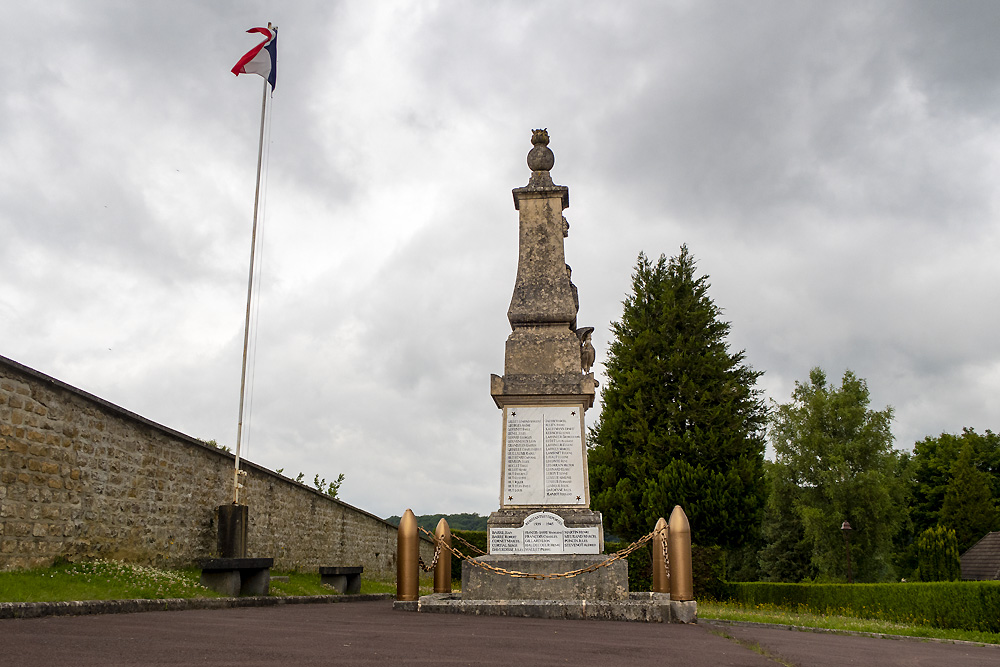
(81, 478)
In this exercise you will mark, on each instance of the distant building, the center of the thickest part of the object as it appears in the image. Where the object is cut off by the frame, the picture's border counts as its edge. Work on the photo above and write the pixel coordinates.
(982, 561)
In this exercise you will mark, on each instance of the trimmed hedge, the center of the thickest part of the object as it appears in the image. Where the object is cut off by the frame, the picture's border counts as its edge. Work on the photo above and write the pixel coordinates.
(476, 537)
(640, 565)
(963, 605)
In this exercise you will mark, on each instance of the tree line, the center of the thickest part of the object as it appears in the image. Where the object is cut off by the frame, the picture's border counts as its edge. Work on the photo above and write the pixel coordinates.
(684, 423)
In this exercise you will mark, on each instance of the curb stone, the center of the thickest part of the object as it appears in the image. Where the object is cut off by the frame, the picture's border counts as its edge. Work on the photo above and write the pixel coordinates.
(85, 607)
(718, 622)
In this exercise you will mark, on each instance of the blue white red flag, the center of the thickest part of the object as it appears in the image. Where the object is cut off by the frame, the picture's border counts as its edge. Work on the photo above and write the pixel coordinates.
(263, 58)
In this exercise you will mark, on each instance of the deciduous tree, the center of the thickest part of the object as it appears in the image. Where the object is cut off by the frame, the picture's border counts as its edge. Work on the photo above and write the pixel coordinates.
(834, 459)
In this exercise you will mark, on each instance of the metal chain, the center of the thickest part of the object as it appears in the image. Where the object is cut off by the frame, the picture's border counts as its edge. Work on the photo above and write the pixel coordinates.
(666, 556)
(434, 561)
(468, 544)
(454, 537)
(618, 555)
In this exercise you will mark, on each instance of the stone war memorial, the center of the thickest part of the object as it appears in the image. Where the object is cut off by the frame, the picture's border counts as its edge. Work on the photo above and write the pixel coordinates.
(545, 544)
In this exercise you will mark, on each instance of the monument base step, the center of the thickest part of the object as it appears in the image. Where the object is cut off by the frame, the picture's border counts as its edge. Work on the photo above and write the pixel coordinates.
(639, 607)
(609, 583)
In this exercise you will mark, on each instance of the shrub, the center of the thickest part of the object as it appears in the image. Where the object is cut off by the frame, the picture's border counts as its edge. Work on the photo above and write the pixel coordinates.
(937, 555)
(966, 605)
(475, 537)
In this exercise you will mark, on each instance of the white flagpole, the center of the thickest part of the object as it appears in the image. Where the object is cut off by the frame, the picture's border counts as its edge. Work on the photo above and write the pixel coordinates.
(246, 328)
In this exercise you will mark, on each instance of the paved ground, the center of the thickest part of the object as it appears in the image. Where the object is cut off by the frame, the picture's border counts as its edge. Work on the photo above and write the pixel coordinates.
(371, 633)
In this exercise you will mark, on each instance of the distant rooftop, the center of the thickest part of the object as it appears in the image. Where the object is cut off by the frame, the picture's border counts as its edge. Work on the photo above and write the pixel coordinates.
(982, 561)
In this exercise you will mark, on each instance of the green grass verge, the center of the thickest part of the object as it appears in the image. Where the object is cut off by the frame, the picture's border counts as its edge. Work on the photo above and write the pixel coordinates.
(115, 580)
(766, 613)
(100, 580)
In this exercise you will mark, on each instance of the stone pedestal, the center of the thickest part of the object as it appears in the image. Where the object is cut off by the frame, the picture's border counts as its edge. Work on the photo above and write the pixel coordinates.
(233, 520)
(237, 576)
(607, 583)
(342, 579)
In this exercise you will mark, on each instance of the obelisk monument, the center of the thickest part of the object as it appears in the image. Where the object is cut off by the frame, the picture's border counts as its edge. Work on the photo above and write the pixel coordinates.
(544, 522)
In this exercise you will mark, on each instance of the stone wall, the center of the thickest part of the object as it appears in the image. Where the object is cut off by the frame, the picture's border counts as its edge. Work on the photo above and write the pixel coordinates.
(81, 478)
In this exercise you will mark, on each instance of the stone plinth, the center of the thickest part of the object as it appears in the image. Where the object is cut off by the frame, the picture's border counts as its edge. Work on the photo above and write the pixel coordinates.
(607, 583)
(639, 607)
(233, 522)
(237, 576)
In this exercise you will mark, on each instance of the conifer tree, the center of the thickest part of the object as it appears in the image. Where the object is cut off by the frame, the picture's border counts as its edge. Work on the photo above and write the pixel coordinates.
(937, 553)
(968, 506)
(682, 421)
(932, 468)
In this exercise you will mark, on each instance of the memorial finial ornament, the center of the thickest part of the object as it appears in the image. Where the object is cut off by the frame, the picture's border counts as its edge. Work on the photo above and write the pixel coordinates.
(541, 159)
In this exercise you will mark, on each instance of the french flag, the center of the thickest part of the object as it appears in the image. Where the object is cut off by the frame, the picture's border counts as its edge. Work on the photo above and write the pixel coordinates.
(263, 58)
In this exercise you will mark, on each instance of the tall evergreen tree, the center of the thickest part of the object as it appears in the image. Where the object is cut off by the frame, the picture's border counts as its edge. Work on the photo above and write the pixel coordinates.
(938, 556)
(682, 422)
(932, 467)
(834, 459)
(968, 507)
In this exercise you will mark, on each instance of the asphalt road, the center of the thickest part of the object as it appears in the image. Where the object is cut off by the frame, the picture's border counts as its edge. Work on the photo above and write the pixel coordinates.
(371, 633)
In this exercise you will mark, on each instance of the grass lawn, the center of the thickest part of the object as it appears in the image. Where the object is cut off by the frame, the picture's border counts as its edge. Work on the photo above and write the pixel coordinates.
(772, 614)
(115, 580)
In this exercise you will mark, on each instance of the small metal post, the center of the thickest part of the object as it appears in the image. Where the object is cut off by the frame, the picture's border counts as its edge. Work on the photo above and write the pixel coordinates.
(679, 547)
(442, 571)
(845, 528)
(407, 558)
(661, 577)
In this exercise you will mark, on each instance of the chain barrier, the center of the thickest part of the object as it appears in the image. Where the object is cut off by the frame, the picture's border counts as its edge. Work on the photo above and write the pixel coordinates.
(437, 555)
(618, 555)
(666, 554)
(468, 544)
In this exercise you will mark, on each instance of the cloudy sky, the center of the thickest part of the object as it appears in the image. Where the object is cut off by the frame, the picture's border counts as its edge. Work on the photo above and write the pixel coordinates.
(831, 166)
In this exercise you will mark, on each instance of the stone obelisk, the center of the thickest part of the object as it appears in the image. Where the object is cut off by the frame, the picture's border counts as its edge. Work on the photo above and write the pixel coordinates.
(544, 523)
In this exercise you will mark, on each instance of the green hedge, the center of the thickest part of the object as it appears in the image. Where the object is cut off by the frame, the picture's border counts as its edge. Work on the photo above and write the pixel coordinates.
(964, 605)
(640, 565)
(476, 537)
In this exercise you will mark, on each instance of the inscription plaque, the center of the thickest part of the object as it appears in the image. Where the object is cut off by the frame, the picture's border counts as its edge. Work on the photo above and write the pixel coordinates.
(544, 456)
(545, 533)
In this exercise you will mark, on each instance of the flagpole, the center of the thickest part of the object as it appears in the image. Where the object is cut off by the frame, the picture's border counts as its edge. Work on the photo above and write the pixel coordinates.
(246, 328)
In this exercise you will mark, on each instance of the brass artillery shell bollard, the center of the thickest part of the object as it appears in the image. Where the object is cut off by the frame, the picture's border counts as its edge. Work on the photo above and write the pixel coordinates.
(442, 570)
(679, 548)
(661, 577)
(407, 558)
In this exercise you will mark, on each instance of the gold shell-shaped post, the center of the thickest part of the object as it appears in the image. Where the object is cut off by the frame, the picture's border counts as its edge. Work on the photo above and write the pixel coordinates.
(407, 558)
(661, 578)
(679, 548)
(442, 571)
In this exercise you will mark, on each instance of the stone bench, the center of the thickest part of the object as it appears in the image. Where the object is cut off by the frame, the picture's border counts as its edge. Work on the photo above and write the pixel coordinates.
(237, 576)
(342, 579)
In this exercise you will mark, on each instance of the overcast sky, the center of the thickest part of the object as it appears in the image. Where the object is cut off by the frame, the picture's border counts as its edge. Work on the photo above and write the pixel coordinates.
(831, 166)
